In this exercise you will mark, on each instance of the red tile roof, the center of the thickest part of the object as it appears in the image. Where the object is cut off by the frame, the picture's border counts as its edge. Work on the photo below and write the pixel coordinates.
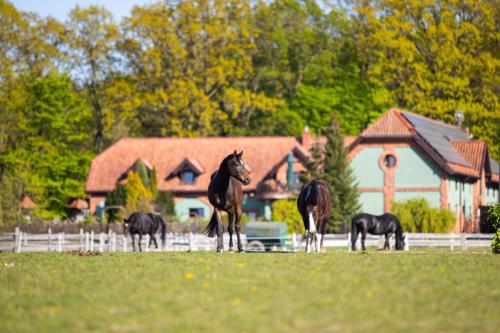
(474, 151)
(261, 154)
(391, 124)
(27, 203)
(79, 204)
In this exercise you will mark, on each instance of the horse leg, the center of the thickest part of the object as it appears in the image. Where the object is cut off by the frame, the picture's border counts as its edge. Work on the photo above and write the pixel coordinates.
(220, 232)
(230, 217)
(354, 239)
(153, 238)
(389, 236)
(238, 229)
(363, 237)
(140, 242)
(133, 241)
(386, 243)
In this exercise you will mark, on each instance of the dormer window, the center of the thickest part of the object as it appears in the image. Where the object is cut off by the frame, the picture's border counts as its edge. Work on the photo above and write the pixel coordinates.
(187, 177)
(187, 171)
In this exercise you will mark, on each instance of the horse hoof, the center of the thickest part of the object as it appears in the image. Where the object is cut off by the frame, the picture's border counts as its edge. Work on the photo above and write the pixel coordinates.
(220, 251)
(241, 251)
(230, 251)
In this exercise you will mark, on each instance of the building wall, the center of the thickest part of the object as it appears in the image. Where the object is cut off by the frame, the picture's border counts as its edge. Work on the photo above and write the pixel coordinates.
(182, 206)
(461, 202)
(372, 202)
(366, 168)
(492, 194)
(414, 170)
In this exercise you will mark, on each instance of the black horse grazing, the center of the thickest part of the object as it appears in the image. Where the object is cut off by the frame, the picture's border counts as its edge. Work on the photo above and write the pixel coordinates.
(314, 204)
(225, 193)
(385, 224)
(142, 223)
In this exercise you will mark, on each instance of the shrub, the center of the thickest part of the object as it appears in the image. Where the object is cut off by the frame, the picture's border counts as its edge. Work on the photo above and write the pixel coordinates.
(286, 211)
(494, 214)
(117, 197)
(416, 215)
(138, 197)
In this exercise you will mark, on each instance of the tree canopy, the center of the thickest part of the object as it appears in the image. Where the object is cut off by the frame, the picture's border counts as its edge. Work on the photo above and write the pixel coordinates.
(70, 89)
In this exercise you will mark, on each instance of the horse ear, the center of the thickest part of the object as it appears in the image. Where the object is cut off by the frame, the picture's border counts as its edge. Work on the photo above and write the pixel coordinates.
(240, 154)
(235, 153)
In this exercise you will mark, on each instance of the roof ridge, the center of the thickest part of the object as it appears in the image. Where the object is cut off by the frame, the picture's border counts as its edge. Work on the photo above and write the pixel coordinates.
(440, 122)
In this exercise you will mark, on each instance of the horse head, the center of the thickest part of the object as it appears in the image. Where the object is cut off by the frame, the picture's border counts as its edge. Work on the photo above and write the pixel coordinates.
(126, 226)
(237, 167)
(400, 243)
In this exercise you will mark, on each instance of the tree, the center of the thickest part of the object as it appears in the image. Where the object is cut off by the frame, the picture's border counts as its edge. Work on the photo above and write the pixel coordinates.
(286, 211)
(92, 49)
(138, 197)
(165, 204)
(330, 163)
(117, 197)
(435, 58)
(51, 156)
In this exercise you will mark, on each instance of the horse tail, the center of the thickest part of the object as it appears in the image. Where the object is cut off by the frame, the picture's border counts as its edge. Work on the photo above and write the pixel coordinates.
(211, 228)
(312, 197)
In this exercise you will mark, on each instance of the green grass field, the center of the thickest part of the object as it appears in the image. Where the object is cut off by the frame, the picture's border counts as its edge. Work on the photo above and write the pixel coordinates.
(204, 292)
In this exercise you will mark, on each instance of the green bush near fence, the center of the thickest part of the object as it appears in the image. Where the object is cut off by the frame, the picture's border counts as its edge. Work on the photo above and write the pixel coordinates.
(416, 215)
(286, 211)
(494, 213)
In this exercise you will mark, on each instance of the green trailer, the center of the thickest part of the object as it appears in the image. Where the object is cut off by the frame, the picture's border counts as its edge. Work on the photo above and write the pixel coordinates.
(266, 236)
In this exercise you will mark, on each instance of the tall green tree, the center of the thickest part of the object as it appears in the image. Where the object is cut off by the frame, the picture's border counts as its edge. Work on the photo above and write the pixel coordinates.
(435, 58)
(52, 156)
(331, 164)
(93, 58)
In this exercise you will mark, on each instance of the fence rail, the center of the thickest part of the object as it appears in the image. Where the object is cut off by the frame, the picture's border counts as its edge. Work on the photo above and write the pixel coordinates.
(113, 242)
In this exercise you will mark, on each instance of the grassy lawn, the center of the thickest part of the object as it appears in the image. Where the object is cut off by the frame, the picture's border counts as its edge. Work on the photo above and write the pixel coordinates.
(434, 291)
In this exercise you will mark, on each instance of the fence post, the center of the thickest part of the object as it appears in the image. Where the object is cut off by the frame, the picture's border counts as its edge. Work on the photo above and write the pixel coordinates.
(86, 241)
(25, 238)
(407, 241)
(59, 242)
(110, 232)
(464, 243)
(452, 245)
(50, 239)
(124, 238)
(16, 239)
(81, 240)
(113, 248)
(101, 242)
(349, 247)
(19, 242)
(147, 242)
(92, 240)
(294, 242)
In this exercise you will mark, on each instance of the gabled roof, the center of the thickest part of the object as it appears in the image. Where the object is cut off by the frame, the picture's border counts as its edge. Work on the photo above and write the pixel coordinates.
(447, 145)
(391, 124)
(166, 154)
(191, 163)
(28, 203)
(473, 151)
(79, 204)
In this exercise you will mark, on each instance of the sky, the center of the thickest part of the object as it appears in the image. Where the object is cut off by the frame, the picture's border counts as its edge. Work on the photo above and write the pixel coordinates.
(59, 9)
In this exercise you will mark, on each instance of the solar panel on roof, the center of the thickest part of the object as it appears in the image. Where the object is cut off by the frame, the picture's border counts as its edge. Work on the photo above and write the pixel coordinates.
(495, 168)
(438, 136)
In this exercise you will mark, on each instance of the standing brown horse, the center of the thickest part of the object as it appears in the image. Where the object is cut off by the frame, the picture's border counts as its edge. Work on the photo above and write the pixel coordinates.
(225, 193)
(314, 204)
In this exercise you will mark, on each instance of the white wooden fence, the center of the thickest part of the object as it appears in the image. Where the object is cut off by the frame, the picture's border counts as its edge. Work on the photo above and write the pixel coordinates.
(112, 242)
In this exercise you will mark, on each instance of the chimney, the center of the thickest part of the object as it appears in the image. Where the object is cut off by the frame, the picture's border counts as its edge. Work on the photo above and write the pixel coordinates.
(306, 138)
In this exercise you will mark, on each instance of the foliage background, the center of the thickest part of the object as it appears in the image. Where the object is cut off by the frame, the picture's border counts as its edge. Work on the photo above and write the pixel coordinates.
(69, 89)
(416, 215)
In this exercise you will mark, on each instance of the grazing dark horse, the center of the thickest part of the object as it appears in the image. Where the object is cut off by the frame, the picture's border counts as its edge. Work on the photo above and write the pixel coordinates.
(142, 224)
(225, 193)
(314, 204)
(386, 224)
